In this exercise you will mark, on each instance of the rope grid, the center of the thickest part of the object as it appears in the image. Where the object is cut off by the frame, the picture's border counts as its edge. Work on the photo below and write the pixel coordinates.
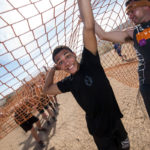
(31, 29)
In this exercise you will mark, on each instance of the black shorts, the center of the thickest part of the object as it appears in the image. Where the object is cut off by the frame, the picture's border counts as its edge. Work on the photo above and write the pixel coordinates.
(27, 125)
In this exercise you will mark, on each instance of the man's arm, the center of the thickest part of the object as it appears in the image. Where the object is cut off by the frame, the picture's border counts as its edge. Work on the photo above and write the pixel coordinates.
(114, 36)
(89, 37)
(49, 87)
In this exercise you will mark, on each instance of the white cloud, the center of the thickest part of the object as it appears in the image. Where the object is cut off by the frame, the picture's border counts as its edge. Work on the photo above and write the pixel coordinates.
(19, 3)
(28, 11)
(4, 6)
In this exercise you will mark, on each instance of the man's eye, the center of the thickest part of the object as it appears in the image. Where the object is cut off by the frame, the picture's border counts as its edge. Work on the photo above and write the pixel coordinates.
(60, 63)
(68, 56)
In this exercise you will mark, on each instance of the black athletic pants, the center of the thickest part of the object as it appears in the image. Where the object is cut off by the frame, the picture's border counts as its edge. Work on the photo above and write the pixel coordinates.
(117, 141)
(145, 92)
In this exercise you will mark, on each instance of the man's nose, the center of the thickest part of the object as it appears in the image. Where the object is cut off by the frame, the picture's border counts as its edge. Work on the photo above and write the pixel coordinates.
(130, 15)
(66, 63)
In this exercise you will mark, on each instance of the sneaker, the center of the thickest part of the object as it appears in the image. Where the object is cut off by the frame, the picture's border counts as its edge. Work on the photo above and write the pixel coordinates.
(41, 144)
(48, 123)
(42, 129)
(125, 144)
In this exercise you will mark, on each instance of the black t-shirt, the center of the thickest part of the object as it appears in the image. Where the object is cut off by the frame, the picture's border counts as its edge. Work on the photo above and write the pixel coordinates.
(143, 51)
(93, 92)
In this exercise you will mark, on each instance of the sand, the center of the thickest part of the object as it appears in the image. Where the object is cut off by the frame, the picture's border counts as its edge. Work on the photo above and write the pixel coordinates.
(70, 131)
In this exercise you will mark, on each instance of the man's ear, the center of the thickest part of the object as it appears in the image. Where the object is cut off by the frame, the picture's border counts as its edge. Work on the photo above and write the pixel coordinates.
(57, 67)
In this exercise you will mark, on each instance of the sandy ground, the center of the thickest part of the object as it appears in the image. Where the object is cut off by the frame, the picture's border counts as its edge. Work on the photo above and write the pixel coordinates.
(70, 131)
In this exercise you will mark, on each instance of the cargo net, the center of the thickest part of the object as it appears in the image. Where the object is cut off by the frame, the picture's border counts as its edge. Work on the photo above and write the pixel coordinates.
(31, 29)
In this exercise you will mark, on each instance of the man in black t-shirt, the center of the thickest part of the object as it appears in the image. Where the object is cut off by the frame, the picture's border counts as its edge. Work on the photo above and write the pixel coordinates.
(90, 87)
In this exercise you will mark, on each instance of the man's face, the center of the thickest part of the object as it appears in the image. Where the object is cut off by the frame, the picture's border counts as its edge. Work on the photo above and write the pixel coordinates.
(66, 60)
(136, 15)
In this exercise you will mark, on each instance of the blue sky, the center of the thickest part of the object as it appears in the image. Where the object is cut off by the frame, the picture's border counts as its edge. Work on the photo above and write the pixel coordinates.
(28, 34)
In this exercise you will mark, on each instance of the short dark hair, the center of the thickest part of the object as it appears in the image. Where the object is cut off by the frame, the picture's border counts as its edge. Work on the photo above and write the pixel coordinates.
(129, 1)
(58, 49)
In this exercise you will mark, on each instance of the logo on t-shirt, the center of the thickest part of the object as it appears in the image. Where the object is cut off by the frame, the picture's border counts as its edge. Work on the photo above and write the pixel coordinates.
(88, 80)
(142, 35)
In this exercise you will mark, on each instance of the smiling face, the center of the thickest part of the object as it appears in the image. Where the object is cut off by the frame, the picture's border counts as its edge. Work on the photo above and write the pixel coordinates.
(137, 15)
(66, 60)
(138, 11)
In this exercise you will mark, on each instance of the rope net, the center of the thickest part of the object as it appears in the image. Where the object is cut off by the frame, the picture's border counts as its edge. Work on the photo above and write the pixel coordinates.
(30, 30)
